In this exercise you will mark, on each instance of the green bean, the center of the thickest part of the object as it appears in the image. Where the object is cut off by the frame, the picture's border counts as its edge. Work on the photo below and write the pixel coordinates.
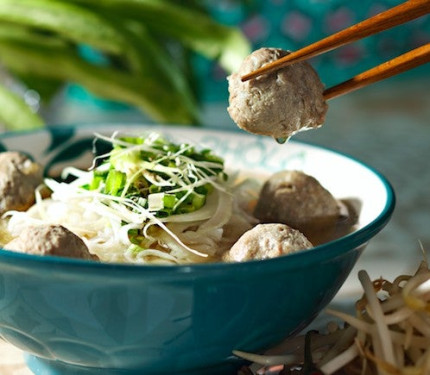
(16, 112)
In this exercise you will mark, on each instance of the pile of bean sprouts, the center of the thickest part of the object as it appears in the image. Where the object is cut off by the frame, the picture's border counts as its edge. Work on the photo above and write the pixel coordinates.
(388, 335)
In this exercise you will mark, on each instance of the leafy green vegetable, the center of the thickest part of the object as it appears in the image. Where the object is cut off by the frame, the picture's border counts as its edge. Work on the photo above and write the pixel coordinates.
(15, 111)
(193, 28)
(69, 21)
(107, 82)
(145, 46)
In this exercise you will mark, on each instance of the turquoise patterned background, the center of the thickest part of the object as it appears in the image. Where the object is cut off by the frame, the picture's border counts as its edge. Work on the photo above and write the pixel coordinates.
(292, 24)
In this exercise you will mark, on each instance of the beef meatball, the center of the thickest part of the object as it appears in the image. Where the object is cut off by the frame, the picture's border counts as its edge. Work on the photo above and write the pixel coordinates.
(267, 241)
(300, 201)
(19, 176)
(50, 240)
(276, 104)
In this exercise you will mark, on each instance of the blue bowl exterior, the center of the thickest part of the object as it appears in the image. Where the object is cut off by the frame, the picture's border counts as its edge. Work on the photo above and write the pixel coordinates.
(168, 319)
(164, 319)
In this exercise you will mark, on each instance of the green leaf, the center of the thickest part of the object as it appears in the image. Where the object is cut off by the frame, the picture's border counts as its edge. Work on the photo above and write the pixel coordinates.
(149, 59)
(144, 93)
(15, 114)
(69, 20)
(45, 87)
(133, 35)
(192, 27)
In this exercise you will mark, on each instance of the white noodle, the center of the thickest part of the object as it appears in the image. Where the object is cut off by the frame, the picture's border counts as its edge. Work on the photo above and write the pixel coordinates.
(104, 221)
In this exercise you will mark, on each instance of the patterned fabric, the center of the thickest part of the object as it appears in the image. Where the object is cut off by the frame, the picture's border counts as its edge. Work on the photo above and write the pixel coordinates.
(292, 24)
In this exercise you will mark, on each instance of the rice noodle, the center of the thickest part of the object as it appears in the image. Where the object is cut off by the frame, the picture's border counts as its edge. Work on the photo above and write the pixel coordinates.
(101, 226)
(222, 214)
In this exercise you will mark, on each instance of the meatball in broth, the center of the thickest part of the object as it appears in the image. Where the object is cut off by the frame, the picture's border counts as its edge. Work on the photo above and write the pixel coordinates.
(277, 104)
(19, 177)
(53, 240)
(300, 201)
(266, 241)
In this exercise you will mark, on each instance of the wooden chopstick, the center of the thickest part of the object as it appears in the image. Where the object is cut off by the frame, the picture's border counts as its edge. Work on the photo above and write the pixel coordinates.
(400, 64)
(397, 15)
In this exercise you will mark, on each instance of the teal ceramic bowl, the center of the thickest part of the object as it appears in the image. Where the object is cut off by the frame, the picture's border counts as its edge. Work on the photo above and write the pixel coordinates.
(76, 317)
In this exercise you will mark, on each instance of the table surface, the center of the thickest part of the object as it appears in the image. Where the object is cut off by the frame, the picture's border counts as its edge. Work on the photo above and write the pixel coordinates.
(386, 126)
(12, 361)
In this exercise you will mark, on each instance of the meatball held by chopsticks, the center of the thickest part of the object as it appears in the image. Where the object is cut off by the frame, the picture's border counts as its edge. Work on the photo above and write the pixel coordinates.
(277, 104)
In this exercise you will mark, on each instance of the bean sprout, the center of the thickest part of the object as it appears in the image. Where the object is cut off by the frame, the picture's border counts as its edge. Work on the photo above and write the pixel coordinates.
(388, 335)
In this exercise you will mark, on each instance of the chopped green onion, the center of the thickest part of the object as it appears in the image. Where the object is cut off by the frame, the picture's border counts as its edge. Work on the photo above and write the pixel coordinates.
(169, 201)
(137, 238)
(204, 189)
(161, 176)
(198, 201)
(98, 178)
(115, 181)
(153, 189)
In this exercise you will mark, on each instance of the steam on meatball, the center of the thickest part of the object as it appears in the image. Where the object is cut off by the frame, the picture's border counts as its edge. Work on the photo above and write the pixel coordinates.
(300, 201)
(50, 240)
(267, 241)
(276, 104)
(19, 176)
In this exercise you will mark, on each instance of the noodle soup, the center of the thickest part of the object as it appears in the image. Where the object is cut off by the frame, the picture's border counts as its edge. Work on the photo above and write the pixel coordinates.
(148, 200)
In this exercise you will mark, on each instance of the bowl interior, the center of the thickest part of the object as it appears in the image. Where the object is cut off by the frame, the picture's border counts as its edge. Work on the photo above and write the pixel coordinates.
(342, 175)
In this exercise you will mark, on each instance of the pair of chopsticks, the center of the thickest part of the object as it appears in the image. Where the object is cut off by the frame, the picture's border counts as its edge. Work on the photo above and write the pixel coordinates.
(398, 15)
